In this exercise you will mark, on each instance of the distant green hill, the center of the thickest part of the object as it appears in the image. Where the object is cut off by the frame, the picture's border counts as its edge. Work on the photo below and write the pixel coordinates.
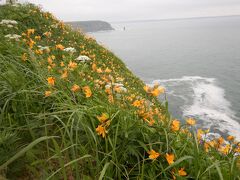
(91, 26)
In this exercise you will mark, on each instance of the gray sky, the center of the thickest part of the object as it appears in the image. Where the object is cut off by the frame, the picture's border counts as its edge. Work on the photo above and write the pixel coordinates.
(122, 10)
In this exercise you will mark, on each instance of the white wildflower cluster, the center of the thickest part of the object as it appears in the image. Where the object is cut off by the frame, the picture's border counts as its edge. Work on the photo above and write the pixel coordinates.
(54, 26)
(121, 86)
(70, 49)
(13, 36)
(42, 48)
(119, 79)
(83, 58)
(8, 23)
(117, 87)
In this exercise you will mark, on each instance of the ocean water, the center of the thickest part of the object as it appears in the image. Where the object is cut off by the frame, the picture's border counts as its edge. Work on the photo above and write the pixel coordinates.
(196, 60)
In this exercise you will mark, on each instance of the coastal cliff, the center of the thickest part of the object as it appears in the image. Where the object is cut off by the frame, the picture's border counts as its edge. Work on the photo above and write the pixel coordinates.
(70, 109)
(91, 26)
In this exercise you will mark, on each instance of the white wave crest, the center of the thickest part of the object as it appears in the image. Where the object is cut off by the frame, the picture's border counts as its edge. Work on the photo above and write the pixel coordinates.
(186, 78)
(204, 100)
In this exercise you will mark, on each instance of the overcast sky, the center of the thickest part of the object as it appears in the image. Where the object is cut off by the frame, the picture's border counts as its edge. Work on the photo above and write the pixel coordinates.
(123, 10)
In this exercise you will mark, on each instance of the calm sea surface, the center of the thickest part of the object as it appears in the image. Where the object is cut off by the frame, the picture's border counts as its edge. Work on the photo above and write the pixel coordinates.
(196, 60)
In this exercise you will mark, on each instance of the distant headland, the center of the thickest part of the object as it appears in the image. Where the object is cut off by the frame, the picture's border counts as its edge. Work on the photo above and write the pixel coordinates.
(91, 26)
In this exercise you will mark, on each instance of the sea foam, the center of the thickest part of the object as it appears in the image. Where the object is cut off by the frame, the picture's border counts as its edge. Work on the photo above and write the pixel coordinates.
(205, 100)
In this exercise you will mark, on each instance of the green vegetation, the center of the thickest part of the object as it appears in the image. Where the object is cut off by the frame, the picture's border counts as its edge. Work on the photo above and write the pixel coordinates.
(65, 116)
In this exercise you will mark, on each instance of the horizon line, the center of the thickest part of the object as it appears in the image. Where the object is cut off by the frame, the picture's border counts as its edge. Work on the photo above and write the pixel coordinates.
(167, 19)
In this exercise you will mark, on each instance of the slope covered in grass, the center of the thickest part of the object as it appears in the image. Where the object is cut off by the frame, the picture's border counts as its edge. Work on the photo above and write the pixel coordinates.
(70, 109)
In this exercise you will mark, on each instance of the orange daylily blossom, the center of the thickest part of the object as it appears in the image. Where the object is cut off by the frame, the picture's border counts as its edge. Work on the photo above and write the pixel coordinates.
(72, 65)
(61, 25)
(31, 43)
(237, 149)
(191, 121)
(147, 88)
(170, 158)
(51, 81)
(60, 47)
(38, 51)
(153, 154)
(30, 31)
(151, 122)
(103, 117)
(24, 57)
(62, 64)
(137, 103)
(117, 89)
(107, 70)
(53, 57)
(48, 93)
(225, 149)
(48, 34)
(175, 125)
(87, 91)
(101, 131)
(75, 88)
(93, 56)
(53, 65)
(94, 67)
(200, 132)
(230, 138)
(157, 91)
(206, 147)
(50, 61)
(154, 91)
(38, 37)
(213, 143)
(220, 140)
(181, 172)
(64, 74)
(99, 70)
(110, 98)
(108, 90)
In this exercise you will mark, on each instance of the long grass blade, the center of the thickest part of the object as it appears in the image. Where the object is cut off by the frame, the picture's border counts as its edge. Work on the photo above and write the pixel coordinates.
(24, 150)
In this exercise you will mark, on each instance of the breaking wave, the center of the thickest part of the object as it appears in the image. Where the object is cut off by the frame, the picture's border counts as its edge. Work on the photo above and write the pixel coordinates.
(203, 99)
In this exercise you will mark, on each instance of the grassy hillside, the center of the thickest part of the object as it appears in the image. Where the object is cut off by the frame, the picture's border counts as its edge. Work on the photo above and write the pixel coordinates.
(66, 116)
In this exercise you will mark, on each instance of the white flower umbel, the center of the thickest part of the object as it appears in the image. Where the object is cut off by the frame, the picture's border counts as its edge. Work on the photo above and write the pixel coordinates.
(118, 84)
(54, 25)
(108, 86)
(42, 48)
(70, 49)
(83, 58)
(9, 25)
(123, 89)
(12, 36)
(8, 22)
(118, 79)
